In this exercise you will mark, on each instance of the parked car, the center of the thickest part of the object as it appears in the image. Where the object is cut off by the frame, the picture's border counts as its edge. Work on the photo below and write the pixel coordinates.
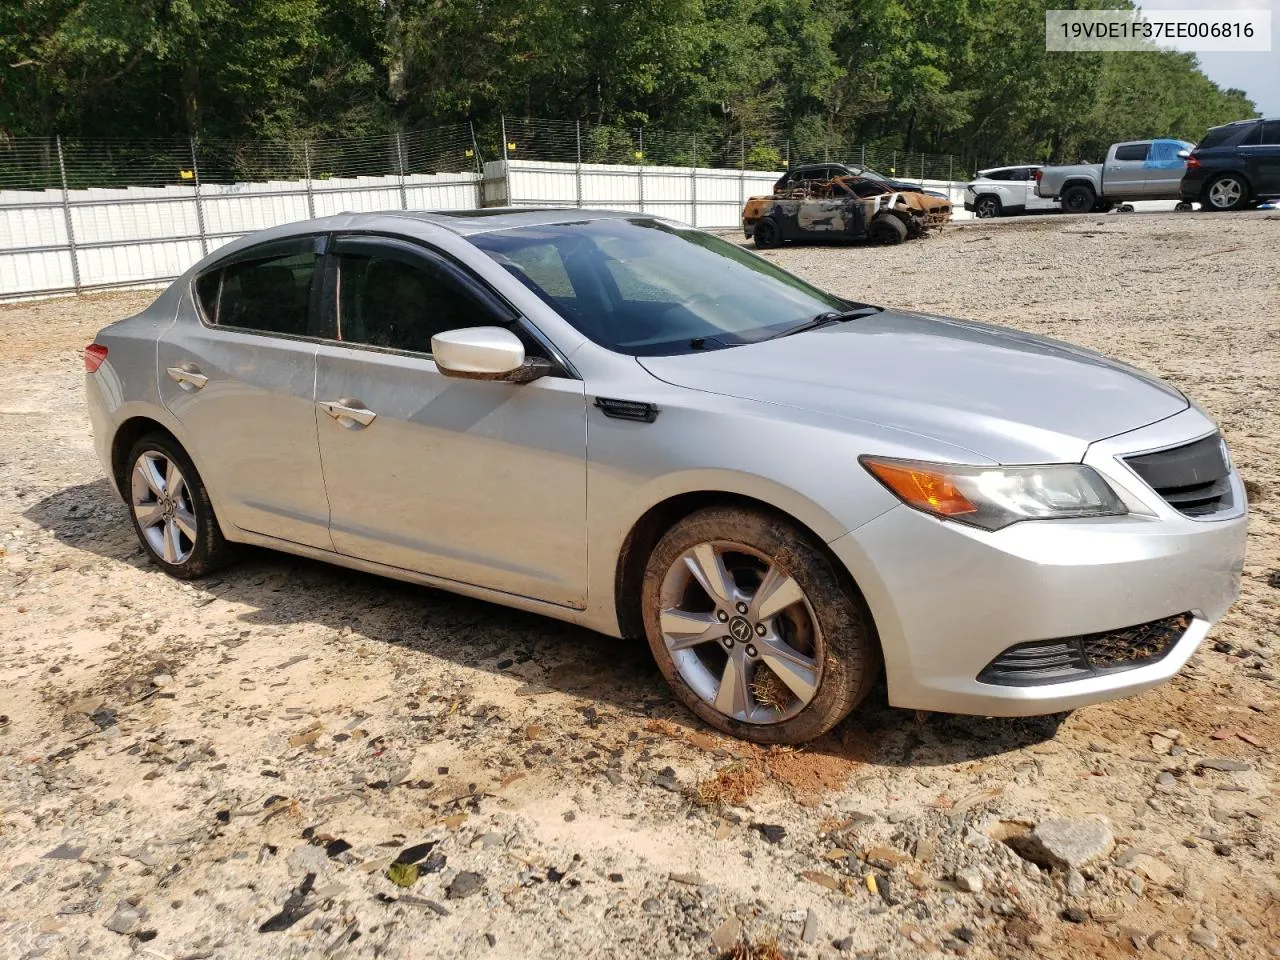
(1136, 170)
(1002, 191)
(846, 208)
(635, 426)
(811, 173)
(1236, 165)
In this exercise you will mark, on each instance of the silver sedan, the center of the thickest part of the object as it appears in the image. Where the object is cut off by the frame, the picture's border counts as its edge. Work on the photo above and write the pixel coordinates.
(629, 424)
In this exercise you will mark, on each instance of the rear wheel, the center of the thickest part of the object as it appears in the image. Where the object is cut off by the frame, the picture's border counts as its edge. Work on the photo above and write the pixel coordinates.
(767, 233)
(751, 623)
(986, 207)
(1227, 192)
(887, 230)
(1183, 207)
(171, 512)
(1078, 198)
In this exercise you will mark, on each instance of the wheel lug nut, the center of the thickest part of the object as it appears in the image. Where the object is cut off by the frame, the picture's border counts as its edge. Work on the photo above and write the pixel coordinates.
(721, 616)
(728, 643)
(751, 651)
(742, 608)
(760, 630)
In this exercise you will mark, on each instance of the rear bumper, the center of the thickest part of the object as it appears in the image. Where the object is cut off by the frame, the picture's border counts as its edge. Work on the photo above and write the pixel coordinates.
(1192, 185)
(97, 388)
(948, 599)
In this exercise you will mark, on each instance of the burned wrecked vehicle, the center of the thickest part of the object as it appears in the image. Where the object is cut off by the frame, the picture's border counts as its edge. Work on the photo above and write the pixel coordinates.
(845, 208)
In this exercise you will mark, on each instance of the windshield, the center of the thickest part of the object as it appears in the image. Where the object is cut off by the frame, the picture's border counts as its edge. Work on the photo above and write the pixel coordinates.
(870, 174)
(647, 287)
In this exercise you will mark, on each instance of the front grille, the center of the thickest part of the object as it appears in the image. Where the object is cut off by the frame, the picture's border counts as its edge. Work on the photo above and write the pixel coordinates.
(1091, 655)
(1194, 479)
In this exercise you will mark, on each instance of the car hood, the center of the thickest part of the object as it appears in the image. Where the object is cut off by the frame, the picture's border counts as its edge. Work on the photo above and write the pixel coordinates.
(1007, 396)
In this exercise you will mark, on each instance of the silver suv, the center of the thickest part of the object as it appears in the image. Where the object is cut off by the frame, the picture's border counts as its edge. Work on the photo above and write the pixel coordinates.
(629, 424)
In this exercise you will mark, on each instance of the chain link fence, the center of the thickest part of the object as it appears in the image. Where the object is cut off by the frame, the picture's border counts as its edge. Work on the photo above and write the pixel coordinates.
(84, 214)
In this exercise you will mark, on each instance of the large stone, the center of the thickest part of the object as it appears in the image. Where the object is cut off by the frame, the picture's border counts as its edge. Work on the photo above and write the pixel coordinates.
(1063, 844)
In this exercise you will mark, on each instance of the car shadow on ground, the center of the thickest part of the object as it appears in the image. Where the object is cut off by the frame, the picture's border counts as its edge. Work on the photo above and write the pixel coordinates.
(279, 590)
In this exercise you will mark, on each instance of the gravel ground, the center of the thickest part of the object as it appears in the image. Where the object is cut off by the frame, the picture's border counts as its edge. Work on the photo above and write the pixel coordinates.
(295, 760)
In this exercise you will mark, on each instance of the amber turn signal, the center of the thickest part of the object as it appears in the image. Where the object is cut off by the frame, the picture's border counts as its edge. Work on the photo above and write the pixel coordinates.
(927, 490)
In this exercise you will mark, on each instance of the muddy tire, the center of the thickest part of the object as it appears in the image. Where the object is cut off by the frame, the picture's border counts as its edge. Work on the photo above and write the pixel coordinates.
(887, 230)
(171, 511)
(1078, 198)
(766, 234)
(755, 627)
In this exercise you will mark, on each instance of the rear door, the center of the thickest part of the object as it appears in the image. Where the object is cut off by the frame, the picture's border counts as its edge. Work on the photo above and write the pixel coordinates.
(239, 375)
(478, 481)
(1261, 153)
(1124, 175)
(1165, 168)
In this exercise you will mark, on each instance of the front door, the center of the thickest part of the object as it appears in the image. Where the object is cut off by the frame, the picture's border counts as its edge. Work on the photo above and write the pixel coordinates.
(1165, 169)
(241, 380)
(1124, 176)
(482, 482)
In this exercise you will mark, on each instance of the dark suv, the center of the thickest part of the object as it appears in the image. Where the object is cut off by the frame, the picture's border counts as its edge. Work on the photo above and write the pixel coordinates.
(1236, 165)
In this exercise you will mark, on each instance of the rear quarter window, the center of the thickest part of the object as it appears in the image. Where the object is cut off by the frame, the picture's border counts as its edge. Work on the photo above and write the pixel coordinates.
(1217, 138)
(1133, 151)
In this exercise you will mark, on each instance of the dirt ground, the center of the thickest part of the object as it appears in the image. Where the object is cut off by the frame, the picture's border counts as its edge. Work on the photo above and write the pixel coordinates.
(246, 766)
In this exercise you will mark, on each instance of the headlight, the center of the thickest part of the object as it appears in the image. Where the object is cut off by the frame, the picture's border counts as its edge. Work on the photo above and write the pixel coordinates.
(994, 497)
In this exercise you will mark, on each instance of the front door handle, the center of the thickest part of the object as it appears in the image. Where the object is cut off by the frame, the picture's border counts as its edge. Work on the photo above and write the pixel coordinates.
(348, 412)
(188, 376)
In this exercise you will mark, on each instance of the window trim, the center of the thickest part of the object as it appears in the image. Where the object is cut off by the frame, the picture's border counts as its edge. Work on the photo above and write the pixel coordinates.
(410, 248)
(270, 249)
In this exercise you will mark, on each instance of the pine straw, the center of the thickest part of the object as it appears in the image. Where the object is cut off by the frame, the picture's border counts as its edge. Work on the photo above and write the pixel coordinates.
(769, 689)
(765, 949)
(731, 785)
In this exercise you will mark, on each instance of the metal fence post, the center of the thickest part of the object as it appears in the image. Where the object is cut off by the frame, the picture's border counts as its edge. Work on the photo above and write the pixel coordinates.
(66, 212)
(195, 173)
(306, 163)
(504, 138)
(640, 172)
(893, 164)
(404, 196)
(577, 172)
(788, 167)
(475, 149)
(693, 183)
(742, 170)
(506, 167)
(864, 154)
(951, 163)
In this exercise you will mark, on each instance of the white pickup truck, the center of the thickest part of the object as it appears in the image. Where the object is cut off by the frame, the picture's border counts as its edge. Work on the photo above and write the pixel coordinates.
(1135, 170)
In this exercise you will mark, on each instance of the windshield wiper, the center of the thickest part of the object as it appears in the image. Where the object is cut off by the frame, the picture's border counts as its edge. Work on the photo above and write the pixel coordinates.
(826, 319)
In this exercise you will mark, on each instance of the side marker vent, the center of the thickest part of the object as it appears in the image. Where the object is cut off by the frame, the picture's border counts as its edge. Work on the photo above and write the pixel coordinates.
(627, 409)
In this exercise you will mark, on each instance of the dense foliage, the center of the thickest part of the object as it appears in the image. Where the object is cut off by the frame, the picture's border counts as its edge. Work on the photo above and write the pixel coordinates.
(969, 77)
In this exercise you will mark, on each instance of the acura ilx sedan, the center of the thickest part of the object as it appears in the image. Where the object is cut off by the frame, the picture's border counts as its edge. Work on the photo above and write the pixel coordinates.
(635, 426)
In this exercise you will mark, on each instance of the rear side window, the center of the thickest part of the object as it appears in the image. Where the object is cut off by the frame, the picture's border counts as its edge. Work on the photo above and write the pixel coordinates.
(1271, 132)
(1216, 138)
(1133, 151)
(999, 175)
(271, 295)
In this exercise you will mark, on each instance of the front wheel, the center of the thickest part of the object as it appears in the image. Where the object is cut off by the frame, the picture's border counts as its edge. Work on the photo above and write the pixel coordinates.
(767, 235)
(986, 207)
(888, 230)
(1228, 192)
(171, 511)
(754, 628)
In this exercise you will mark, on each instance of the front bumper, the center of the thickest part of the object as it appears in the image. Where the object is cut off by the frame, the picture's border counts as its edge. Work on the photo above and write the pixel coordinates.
(947, 599)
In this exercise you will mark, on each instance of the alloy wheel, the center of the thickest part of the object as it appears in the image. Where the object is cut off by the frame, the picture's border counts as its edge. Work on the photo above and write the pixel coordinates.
(1225, 193)
(987, 208)
(741, 632)
(161, 501)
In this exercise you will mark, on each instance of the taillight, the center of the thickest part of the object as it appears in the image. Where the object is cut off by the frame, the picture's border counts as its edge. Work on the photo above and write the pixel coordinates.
(95, 355)
(1193, 162)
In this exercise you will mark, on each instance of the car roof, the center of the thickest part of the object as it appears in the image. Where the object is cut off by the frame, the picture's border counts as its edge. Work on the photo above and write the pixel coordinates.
(488, 219)
(1236, 123)
(1010, 166)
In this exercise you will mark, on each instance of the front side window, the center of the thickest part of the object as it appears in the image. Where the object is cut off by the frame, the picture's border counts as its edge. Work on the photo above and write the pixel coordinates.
(270, 295)
(1133, 151)
(394, 302)
(646, 287)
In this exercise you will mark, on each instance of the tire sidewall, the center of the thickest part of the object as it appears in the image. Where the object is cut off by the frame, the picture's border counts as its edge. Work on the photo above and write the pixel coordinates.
(210, 547)
(884, 233)
(851, 650)
(989, 203)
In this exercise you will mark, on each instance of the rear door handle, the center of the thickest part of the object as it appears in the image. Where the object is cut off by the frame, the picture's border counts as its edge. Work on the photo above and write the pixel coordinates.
(348, 412)
(188, 376)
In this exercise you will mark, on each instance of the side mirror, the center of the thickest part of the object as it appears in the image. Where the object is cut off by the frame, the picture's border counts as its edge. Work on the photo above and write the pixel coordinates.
(1183, 154)
(485, 353)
